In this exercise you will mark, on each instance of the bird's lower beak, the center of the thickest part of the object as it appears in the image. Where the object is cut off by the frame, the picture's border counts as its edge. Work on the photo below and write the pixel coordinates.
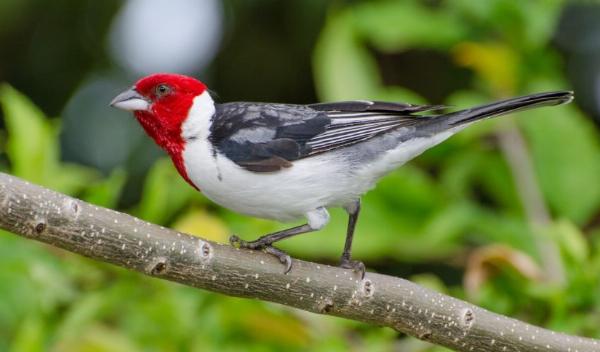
(130, 100)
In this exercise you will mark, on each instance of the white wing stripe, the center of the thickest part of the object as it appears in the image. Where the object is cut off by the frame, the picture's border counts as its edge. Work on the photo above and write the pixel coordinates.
(335, 114)
(349, 131)
(346, 137)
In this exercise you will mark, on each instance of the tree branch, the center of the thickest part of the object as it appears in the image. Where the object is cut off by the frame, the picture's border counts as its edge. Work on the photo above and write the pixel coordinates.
(110, 236)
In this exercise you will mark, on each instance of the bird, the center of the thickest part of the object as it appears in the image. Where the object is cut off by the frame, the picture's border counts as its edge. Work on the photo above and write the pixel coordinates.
(286, 162)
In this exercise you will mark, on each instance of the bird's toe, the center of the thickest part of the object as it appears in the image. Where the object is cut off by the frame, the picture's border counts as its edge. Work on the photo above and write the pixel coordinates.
(283, 257)
(237, 242)
(357, 266)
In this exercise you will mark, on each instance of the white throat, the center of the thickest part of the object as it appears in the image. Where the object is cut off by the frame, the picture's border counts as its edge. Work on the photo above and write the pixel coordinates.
(197, 124)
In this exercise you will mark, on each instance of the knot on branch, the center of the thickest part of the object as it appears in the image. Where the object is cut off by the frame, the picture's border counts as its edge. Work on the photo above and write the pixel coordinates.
(466, 319)
(424, 335)
(158, 266)
(367, 288)
(365, 291)
(205, 250)
(39, 227)
(325, 305)
(71, 208)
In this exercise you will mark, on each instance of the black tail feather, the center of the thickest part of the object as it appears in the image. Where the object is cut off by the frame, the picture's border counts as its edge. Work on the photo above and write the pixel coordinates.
(509, 106)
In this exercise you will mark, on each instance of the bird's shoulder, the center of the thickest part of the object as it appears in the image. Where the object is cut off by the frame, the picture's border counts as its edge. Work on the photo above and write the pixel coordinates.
(255, 120)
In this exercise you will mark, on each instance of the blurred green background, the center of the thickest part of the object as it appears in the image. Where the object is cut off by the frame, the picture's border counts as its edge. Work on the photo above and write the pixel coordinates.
(505, 214)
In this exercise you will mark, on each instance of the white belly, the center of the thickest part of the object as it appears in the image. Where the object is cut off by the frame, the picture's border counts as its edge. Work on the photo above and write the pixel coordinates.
(326, 180)
(283, 195)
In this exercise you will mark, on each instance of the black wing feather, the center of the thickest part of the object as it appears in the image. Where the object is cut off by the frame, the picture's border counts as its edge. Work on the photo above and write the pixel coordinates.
(373, 106)
(267, 137)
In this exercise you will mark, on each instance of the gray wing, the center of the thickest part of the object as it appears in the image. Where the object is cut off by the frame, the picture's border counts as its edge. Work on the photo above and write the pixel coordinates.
(356, 121)
(268, 137)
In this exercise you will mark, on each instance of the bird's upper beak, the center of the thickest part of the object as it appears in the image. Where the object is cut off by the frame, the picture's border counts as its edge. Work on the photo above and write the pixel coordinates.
(131, 100)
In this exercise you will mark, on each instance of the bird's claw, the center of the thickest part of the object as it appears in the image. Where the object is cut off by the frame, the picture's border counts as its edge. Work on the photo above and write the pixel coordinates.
(236, 242)
(357, 266)
(283, 257)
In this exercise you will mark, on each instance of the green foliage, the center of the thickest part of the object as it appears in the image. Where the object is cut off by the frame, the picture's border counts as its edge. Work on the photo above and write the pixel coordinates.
(165, 193)
(567, 167)
(447, 211)
(32, 146)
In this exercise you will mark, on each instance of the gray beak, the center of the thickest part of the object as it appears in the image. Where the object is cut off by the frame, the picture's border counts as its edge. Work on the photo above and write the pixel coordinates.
(131, 100)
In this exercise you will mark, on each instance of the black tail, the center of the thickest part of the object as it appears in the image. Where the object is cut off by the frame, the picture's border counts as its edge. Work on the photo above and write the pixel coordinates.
(509, 106)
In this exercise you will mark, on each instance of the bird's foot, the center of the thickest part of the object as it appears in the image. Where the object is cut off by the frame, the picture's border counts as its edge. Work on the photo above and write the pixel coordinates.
(283, 257)
(237, 242)
(355, 265)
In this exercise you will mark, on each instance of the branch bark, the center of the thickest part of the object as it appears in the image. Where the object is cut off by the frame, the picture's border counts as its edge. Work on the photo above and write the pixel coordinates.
(37, 213)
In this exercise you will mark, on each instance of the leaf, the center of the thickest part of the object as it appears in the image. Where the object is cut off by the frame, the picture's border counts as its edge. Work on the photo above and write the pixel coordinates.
(430, 281)
(266, 323)
(495, 63)
(343, 69)
(201, 223)
(80, 315)
(106, 192)
(164, 194)
(30, 336)
(484, 261)
(526, 25)
(32, 146)
(397, 25)
(571, 241)
(566, 153)
(98, 338)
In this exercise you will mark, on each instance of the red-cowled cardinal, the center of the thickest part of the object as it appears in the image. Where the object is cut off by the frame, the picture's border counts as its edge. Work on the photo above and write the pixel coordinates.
(286, 161)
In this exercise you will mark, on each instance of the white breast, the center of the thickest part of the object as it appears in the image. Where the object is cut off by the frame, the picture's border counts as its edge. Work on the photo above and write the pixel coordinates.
(284, 195)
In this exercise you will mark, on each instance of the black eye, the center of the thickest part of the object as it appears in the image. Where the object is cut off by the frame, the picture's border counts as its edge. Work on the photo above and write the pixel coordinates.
(162, 90)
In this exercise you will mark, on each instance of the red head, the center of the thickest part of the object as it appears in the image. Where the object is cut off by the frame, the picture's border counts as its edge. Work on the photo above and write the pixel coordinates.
(161, 103)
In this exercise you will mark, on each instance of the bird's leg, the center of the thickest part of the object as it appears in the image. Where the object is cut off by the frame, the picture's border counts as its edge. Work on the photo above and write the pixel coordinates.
(265, 243)
(316, 220)
(271, 238)
(353, 210)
